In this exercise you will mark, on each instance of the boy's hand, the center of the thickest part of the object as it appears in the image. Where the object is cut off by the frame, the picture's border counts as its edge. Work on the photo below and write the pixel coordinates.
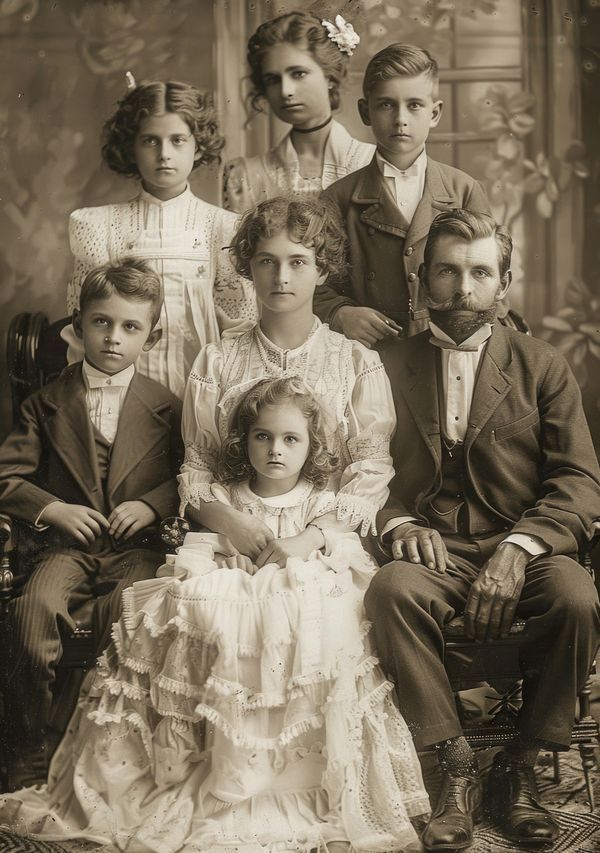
(365, 325)
(81, 523)
(126, 519)
(248, 535)
(301, 546)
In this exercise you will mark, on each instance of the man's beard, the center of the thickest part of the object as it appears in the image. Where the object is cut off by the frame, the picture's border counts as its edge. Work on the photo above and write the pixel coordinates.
(458, 317)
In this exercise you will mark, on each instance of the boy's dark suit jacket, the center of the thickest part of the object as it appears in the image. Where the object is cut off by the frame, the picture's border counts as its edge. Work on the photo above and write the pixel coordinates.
(528, 451)
(380, 262)
(51, 453)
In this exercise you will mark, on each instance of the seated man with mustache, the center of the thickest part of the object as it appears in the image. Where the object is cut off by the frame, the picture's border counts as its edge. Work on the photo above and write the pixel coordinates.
(489, 508)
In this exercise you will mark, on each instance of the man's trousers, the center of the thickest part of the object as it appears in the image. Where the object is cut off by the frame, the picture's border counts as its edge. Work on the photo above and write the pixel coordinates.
(408, 605)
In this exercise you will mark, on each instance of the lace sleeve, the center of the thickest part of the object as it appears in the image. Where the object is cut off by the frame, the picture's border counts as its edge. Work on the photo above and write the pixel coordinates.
(88, 239)
(199, 427)
(234, 295)
(371, 421)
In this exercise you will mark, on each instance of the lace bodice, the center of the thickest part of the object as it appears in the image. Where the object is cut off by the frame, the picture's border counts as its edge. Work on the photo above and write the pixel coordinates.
(248, 181)
(184, 240)
(348, 380)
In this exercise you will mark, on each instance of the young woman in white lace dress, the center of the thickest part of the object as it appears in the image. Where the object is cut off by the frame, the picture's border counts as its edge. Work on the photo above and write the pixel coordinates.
(242, 708)
(159, 133)
(297, 65)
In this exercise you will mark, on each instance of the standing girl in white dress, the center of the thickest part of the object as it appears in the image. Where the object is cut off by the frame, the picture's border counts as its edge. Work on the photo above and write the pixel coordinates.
(160, 133)
(297, 64)
(242, 709)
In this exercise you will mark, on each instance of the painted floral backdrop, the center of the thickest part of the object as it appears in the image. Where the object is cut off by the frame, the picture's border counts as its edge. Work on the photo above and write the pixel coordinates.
(63, 64)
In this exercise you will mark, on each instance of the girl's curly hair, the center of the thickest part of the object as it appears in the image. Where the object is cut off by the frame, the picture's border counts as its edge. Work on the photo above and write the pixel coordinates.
(155, 99)
(234, 463)
(306, 32)
(315, 223)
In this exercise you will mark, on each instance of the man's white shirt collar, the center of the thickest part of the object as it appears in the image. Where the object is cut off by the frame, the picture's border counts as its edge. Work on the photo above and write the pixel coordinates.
(477, 339)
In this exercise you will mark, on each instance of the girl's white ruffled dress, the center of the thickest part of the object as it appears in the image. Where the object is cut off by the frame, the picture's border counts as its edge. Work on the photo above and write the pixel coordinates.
(185, 241)
(236, 712)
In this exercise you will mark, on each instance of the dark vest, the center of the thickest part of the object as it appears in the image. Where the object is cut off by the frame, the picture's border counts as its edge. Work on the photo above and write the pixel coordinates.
(103, 454)
(456, 507)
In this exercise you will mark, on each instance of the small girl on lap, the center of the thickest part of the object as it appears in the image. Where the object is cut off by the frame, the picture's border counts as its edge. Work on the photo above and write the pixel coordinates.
(244, 709)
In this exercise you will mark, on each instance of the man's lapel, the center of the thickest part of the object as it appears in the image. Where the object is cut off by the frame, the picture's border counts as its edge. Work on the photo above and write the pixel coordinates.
(492, 384)
(437, 197)
(140, 429)
(420, 390)
(69, 430)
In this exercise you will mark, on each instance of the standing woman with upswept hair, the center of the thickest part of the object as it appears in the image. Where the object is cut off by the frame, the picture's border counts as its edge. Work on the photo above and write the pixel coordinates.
(297, 65)
(159, 133)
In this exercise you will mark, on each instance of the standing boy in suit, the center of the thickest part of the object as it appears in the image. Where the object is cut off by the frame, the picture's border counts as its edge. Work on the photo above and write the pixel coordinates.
(497, 490)
(389, 205)
(91, 468)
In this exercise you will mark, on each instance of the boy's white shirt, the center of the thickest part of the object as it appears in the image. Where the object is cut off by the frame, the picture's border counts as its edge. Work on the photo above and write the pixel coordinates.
(406, 185)
(104, 396)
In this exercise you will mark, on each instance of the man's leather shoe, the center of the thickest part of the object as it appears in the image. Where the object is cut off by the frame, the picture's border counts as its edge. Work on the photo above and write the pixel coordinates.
(512, 795)
(458, 808)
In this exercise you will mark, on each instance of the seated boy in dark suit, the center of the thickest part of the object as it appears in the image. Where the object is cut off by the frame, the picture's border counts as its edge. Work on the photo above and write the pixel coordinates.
(389, 205)
(91, 467)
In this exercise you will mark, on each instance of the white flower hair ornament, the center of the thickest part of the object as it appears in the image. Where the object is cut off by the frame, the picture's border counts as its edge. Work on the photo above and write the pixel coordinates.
(342, 34)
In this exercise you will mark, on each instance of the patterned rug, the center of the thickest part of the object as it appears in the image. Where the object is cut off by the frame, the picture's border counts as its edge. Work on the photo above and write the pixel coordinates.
(580, 829)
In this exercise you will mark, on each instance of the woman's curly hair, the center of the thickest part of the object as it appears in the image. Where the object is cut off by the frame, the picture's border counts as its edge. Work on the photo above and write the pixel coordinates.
(155, 99)
(234, 463)
(306, 32)
(315, 223)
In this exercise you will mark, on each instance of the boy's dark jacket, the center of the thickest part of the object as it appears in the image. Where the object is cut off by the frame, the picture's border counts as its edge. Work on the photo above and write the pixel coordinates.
(384, 269)
(51, 453)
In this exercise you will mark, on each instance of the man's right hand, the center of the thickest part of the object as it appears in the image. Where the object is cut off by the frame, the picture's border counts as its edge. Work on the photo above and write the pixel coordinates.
(81, 523)
(365, 325)
(417, 544)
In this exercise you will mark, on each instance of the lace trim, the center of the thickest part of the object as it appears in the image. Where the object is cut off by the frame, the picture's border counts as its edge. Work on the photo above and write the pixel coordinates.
(195, 494)
(369, 447)
(357, 511)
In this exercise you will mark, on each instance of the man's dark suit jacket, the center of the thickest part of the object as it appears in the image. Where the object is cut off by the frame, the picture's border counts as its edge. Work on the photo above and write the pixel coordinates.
(386, 252)
(51, 453)
(528, 451)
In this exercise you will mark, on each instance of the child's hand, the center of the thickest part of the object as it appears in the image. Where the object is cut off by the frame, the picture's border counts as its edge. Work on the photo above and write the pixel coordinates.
(249, 535)
(237, 561)
(81, 523)
(129, 517)
(301, 546)
(365, 325)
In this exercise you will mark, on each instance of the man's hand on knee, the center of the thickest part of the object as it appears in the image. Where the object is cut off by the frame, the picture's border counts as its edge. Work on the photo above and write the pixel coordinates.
(417, 544)
(494, 596)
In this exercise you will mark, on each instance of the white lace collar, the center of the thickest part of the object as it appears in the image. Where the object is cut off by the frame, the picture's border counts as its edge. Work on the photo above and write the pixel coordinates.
(151, 199)
(294, 497)
(268, 345)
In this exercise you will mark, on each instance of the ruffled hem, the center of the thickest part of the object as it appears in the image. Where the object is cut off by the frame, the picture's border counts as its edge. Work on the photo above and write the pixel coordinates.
(357, 511)
(217, 687)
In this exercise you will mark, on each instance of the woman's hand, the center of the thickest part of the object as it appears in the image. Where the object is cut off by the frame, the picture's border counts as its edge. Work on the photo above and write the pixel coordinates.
(301, 546)
(248, 535)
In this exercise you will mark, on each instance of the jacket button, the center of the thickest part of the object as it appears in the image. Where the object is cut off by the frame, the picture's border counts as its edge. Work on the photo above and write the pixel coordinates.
(370, 231)
(412, 276)
(371, 276)
(409, 251)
